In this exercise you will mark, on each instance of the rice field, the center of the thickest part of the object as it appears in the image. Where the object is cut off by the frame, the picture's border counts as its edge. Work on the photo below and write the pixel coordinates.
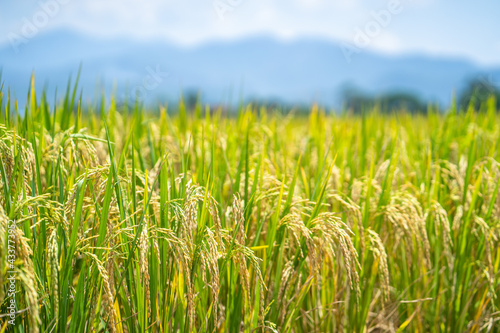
(116, 218)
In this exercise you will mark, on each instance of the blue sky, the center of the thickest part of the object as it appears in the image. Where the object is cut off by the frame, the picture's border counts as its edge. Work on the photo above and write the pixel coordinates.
(459, 28)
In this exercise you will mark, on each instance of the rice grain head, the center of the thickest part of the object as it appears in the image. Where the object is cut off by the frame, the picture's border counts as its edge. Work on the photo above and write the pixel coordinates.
(144, 264)
(53, 254)
(378, 249)
(331, 234)
(27, 277)
(4, 222)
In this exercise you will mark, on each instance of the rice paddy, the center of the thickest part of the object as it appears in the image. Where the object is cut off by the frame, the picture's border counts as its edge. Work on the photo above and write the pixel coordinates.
(117, 218)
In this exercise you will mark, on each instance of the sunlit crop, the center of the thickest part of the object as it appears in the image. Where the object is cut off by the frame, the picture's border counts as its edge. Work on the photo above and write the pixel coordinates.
(125, 219)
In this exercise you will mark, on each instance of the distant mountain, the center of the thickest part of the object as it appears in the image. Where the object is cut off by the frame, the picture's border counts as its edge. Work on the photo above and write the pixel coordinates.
(299, 71)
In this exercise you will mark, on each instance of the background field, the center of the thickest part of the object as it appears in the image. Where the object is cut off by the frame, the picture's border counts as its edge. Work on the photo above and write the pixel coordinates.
(195, 220)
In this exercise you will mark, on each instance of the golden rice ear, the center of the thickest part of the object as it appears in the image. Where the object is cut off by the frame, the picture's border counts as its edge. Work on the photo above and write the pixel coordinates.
(107, 296)
(26, 155)
(354, 217)
(294, 223)
(457, 219)
(330, 234)
(27, 276)
(7, 159)
(53, 254)
(405, 214)
(28, 279)
(239, 219)
(144, 263)
(4, 224)
(289, 275)
(378, 249)
(210, 260)
(240, 260)
(442, 226)
(214, 213)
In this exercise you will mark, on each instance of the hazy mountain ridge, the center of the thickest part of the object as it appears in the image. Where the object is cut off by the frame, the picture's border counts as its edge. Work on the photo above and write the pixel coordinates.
(300, 71)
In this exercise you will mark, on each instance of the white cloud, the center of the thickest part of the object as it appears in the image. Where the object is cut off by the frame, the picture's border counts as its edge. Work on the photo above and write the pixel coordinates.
(196, 21)
(310, 4)
(387, 42)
